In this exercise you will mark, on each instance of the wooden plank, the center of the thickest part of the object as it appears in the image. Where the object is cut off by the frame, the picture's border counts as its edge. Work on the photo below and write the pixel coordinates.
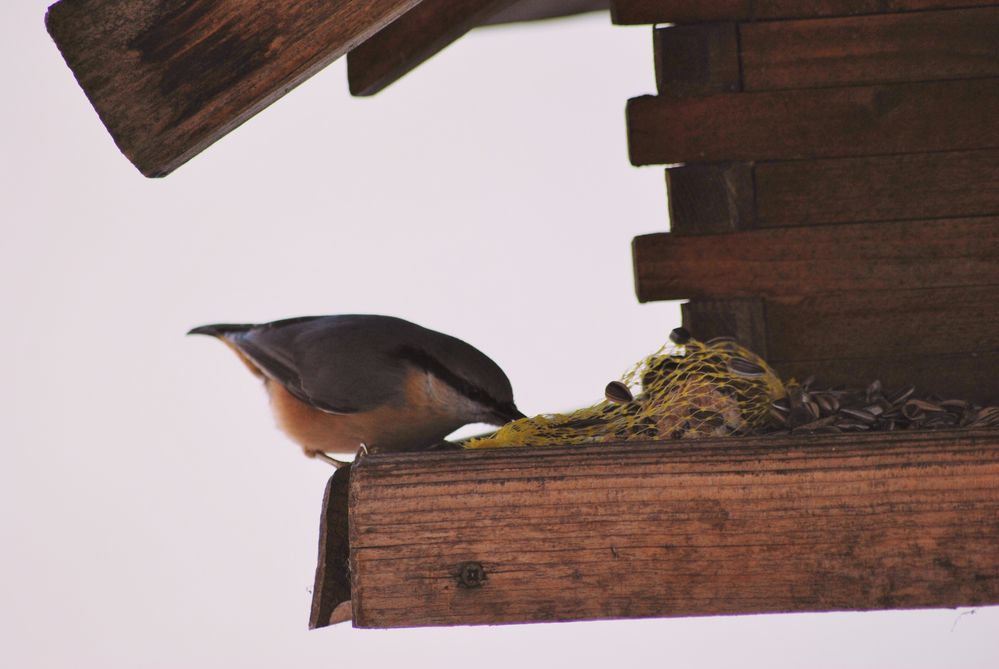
(331, 592)
(698, 59)
(966, 376)
(741, 318)
(882, 48)
(169, 78)
(815, 123)
(868, 324)
(908, 186)
(712, 198)
(539, 10)
(705, 527)
(413, 38)
(862, 257)
(636, 12)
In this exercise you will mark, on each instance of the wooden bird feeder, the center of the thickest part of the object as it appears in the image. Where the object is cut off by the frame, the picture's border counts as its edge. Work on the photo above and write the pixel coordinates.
(834, 203)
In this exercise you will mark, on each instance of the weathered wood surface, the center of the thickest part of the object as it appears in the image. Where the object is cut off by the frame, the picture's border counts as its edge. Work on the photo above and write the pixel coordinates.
(742, 318)
(698, 59)
(911, 186)
(711, 198)
(331, 592)
(815, 123)
(168, 77)
(723, 197)
(882, 48)
(413, 38)
(943, 340)
(539, 10)
(695, 11)
(863, 257)
(706, 527)
(965, 376)
(930, 322)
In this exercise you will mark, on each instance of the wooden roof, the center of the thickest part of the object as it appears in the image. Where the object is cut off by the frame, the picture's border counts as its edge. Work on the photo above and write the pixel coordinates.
(170, 77)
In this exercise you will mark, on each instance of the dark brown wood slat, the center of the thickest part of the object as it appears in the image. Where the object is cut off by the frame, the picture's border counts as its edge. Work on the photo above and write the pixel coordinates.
(822, 259)
(966, 376)
(698, 59)
(634, 12)
(741, 318)
(413, 38)
(169, 78)
(706, 527)
(815, 123)
(908, 186)
(882, 48)
(708, 199)
(331, 592)
(538, 10)
(935, 321)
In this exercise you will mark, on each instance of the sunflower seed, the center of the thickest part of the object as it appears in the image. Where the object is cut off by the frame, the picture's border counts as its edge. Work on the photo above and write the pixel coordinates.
(746, 368)
(679, 336)
(618, 393)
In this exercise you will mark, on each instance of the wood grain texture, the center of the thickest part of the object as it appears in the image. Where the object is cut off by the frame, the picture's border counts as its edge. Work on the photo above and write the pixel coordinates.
(706, 527)
(966, 376)
(413, 38)
(741, 318)
(815, 123)
(930, 322)
(632, 12)
(862, 257)
(331, 591)
(712, 198)
(881, 48)
(170, 77)
(908, 186)
(539, 10)
(697, 60)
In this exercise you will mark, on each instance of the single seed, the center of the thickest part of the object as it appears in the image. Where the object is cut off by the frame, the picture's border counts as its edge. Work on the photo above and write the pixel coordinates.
(679, 336)
(618, 393)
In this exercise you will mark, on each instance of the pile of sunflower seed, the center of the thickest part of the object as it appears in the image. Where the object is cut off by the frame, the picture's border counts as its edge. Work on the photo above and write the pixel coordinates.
(805, 410)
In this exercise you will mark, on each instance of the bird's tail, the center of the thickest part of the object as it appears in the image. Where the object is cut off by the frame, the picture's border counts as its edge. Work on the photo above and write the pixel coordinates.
(220, 329)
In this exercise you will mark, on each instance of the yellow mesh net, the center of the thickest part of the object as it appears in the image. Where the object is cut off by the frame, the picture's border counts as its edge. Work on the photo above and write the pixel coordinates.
(686, 389)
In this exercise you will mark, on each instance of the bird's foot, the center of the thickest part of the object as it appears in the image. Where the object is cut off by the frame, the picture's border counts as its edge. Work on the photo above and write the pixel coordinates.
(325, 457)
(362, 450)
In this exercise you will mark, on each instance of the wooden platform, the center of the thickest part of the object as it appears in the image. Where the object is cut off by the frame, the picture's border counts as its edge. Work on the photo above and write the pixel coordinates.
(700, 527)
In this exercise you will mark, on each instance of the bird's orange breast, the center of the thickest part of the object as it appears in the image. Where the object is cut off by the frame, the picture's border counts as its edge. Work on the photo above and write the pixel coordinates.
(421, 417)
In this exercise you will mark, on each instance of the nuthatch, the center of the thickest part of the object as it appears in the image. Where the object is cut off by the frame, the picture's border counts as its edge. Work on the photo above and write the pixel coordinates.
(338, 384)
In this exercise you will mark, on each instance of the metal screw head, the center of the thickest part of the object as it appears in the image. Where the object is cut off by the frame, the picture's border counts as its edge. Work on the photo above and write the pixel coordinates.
(471, 575)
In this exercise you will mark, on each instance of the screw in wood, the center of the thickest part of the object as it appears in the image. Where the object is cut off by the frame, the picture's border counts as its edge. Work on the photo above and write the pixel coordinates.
(471, 575)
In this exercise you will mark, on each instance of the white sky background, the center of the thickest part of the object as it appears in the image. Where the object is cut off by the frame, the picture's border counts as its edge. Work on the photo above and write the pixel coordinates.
(150, 513)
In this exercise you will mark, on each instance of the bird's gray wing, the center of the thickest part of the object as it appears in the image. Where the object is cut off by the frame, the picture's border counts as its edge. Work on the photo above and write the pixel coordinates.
(338, 364)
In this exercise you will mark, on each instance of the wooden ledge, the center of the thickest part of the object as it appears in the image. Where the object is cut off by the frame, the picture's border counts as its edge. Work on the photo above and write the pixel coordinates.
(706, 527)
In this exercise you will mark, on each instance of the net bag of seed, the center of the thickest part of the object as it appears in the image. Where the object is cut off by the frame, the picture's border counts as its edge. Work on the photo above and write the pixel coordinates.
(686, 389)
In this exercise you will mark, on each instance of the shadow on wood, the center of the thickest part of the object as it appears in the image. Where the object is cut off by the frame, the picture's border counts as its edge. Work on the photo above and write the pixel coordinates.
(705, 527)
(331, 592)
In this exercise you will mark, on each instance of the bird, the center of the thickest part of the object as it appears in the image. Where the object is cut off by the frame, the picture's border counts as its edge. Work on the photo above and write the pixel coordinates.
(363, 383)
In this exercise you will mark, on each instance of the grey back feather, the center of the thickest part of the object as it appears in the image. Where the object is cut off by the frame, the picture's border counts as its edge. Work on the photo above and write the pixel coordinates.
(351, 363)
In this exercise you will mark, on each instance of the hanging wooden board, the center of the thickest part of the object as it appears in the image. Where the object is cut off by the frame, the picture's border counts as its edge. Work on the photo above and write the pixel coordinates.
(169, 78)
(681, 528)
